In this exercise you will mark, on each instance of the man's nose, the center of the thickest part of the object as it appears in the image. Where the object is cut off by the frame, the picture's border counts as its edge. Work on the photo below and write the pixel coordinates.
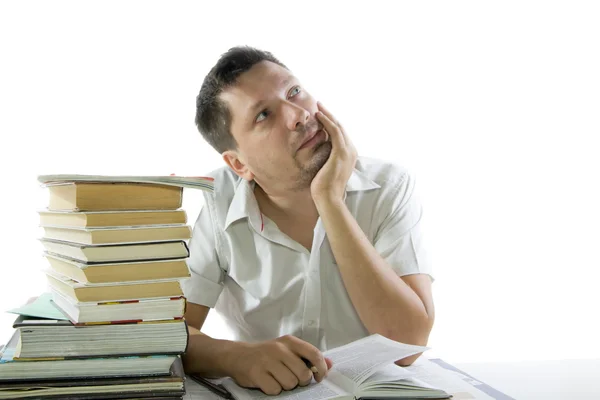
(295, 116)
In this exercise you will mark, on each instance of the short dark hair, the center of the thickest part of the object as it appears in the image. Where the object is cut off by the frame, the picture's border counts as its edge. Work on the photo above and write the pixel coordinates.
(213, 117)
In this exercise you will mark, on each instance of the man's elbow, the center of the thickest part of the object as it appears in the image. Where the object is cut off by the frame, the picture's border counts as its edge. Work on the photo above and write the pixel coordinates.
(406, 362)
(415, 333)
(418, 335)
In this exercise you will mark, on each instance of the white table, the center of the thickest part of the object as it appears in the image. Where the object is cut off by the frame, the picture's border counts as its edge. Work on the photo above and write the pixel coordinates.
(548, 380)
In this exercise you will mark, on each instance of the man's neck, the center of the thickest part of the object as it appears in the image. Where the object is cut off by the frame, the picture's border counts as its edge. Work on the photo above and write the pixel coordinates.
(297, 205)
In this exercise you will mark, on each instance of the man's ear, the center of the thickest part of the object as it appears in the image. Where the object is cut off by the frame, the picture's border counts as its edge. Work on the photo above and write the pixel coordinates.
(232, 158)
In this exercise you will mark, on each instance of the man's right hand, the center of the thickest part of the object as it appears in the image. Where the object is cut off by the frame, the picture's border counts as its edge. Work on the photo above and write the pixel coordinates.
(276, 365)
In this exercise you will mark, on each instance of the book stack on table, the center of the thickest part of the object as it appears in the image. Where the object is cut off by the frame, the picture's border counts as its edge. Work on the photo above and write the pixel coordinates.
(112, 324)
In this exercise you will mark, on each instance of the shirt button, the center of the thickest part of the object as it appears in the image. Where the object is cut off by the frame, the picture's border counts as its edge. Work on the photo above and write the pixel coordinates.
(311, 322)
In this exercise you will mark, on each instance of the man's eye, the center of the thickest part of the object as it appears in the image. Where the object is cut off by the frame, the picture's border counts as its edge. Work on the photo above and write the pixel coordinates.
(264, 113)
(295, 91)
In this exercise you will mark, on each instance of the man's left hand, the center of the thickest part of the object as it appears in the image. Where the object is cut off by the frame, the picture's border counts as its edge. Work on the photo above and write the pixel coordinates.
(330, 182)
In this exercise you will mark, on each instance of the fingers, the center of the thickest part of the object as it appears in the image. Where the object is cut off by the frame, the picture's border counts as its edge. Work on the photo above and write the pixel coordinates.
(312, 354)
(336, 132)
(284, 375)
(283, 364)
(298, 368)
(329, 362)
(268, 384)
(286, 378)
(333, 130)
(328, 114)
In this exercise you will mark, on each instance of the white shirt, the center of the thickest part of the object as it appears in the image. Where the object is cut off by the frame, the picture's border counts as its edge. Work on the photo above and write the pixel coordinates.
(266, 285)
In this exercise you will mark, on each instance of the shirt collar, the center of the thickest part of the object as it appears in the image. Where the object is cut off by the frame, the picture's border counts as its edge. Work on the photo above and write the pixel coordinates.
(244, 204)
(359, 181)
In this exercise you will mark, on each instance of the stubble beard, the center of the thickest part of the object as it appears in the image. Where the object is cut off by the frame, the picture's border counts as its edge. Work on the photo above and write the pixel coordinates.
(308, 172)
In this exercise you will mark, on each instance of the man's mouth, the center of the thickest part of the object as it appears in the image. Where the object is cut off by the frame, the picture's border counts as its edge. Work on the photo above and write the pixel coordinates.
(312, 139)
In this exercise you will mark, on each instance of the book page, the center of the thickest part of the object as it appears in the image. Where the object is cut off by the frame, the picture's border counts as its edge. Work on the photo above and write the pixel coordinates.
(195, 182)
(360, 359)
(389, 373)
(315, 391)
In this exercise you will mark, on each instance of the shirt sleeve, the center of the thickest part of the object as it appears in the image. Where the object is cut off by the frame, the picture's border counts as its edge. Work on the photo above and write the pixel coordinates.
(399, 238)
(206, 281)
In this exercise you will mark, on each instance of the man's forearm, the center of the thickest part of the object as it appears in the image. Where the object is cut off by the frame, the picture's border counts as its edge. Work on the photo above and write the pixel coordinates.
(384, 302)
(206, 356)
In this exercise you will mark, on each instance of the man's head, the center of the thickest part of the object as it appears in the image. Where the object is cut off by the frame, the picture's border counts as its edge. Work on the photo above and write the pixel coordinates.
(254, 112)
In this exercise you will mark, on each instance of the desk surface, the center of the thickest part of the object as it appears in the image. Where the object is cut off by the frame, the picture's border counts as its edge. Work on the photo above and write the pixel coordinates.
(548, 380)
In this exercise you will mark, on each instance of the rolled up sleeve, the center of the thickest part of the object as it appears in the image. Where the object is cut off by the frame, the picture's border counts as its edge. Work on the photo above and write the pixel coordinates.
(206, 283)
(399, 238)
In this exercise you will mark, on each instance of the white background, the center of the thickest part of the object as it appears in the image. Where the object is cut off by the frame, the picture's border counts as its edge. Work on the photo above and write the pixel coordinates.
(494, 106)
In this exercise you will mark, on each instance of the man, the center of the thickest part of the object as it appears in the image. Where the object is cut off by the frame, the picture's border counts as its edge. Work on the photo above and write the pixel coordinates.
(303, 247)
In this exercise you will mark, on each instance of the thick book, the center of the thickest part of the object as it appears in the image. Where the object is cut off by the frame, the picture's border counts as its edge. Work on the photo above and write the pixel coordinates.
(103, 219)
(119, 272)
(363, 369)
(116, 253)
(120, 235)
(140, 310)
(59, 339)
(168, 386)
(99, 367)
(193, 182)
(85, 292)
(107, 196)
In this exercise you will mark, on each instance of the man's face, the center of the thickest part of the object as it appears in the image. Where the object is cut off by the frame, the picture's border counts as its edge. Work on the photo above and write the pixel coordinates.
(273, 121)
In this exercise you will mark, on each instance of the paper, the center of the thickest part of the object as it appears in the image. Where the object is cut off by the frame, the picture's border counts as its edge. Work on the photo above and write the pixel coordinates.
(430, 373)
(358, 360)
(389, 373)
(195, 391)
(195, 182)
(314, 391)
(42, 307)
(490, 391)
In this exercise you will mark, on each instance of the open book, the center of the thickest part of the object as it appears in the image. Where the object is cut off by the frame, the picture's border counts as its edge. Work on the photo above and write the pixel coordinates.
(363, 369)
(194, 182)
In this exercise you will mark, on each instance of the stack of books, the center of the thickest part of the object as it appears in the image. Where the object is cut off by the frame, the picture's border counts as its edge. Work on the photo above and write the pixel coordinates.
(116, 250)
